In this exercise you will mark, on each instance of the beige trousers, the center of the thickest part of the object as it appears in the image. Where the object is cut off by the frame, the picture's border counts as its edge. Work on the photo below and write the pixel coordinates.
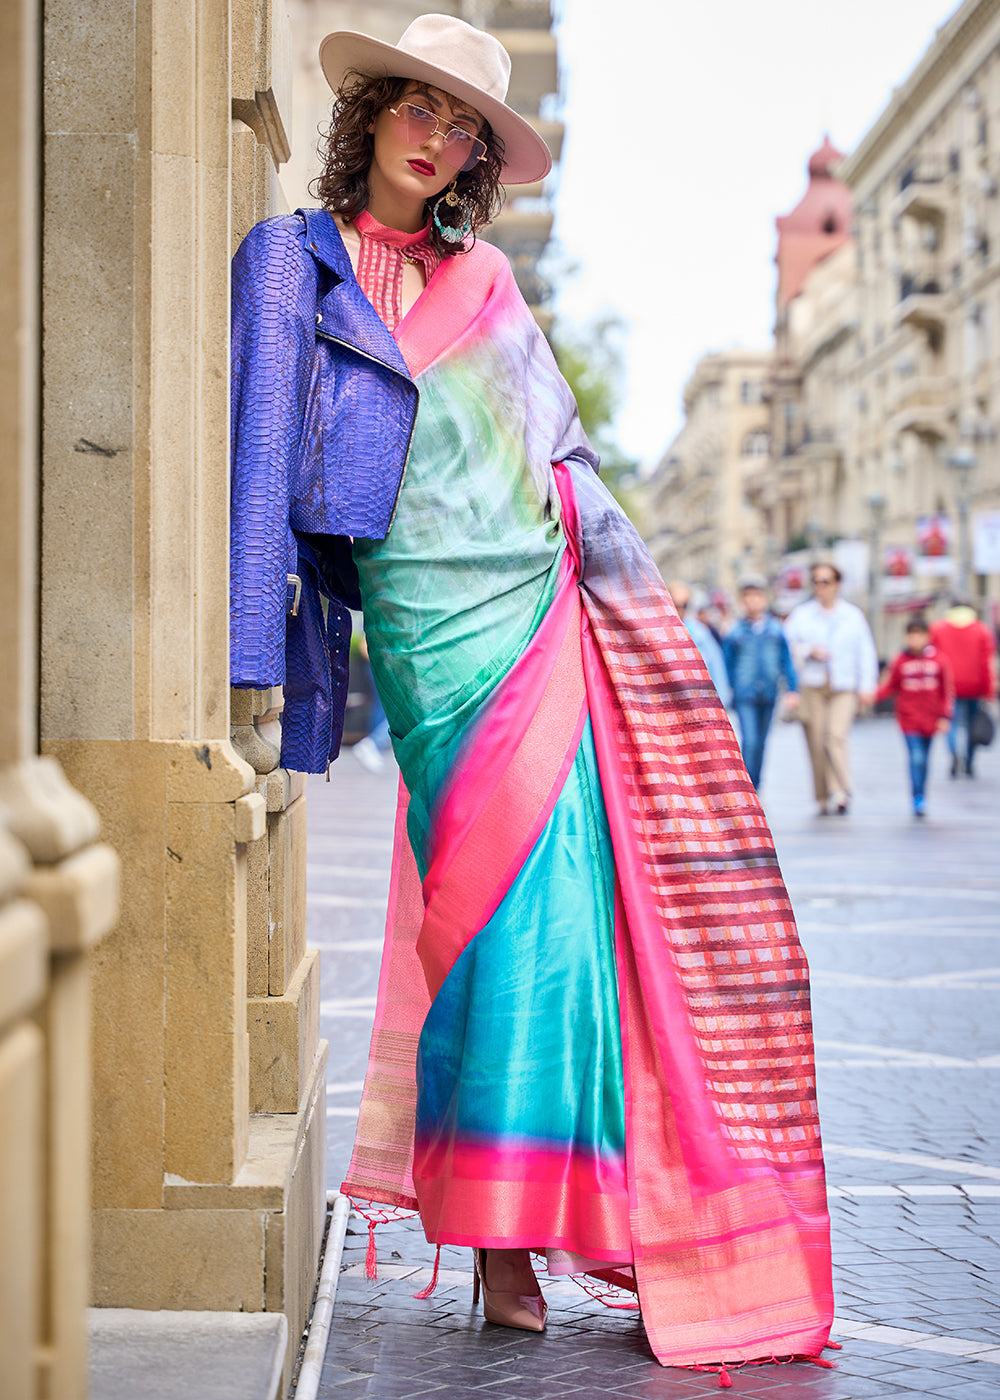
(826, 717)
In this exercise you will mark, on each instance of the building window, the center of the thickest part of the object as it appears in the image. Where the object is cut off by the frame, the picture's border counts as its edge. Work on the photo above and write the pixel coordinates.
(757, 443)
(752, 391)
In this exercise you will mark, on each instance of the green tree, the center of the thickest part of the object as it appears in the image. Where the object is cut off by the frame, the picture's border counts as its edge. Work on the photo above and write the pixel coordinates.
(592, 361)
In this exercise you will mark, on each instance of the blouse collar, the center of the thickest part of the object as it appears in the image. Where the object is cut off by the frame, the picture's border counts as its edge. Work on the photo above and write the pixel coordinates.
(369, 227)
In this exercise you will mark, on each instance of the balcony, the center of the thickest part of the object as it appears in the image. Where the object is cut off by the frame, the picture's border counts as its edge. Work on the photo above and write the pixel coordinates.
(552, 134)
(923, 193)
(921, 303)
(534, 67)
(819, 444)
(927, 421)
(921, 404)
(918, 392)
(521, 14)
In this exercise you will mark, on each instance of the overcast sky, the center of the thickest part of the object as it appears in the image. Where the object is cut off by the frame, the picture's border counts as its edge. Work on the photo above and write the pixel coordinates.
(688, 130)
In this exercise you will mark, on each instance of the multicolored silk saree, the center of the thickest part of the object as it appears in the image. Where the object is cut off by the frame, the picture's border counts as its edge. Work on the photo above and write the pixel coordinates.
(593, 1030)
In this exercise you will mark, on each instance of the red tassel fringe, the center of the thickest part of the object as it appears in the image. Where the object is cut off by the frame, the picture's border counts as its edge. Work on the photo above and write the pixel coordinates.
(374, 1215)
(725, 1380)
(426, 1292)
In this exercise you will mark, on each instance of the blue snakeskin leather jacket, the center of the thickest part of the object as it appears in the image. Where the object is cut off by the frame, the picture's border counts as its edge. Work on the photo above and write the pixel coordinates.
(323, 409)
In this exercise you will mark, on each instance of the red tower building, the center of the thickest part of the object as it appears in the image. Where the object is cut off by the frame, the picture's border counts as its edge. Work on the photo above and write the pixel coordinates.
(819, 223)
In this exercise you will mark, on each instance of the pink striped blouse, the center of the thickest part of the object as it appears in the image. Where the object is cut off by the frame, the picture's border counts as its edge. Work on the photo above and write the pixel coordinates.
(383, 255)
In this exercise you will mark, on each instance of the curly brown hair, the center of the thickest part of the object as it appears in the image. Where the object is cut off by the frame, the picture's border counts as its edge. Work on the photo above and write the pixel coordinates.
(346, 148)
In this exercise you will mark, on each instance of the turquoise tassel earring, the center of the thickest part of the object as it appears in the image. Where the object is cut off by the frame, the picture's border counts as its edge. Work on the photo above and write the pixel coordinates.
(453, 201)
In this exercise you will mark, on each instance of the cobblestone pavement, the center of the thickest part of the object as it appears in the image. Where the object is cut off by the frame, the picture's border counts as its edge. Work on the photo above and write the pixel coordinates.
(900, 920)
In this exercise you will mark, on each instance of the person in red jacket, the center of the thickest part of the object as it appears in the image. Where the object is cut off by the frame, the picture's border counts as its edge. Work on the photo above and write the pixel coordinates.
(968, 646)
(921, 681)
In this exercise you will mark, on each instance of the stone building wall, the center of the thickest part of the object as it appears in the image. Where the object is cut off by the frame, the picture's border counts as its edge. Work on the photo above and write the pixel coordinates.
(699, 525)
(58, 883)
(160, 1070)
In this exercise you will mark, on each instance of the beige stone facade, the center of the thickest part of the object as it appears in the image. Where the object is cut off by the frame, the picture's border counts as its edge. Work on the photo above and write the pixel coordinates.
(161, 1073)
(887, 385)
(701, 527)
(58, 884)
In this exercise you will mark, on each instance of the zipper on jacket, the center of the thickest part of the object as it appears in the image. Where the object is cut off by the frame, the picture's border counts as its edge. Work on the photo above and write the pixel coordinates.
(374, 359)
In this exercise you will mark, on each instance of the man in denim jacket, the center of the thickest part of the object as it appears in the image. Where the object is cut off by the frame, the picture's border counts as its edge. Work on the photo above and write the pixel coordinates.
(757, 658)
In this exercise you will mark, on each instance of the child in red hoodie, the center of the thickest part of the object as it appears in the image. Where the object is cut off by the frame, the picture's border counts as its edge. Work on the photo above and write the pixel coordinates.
(920, 679)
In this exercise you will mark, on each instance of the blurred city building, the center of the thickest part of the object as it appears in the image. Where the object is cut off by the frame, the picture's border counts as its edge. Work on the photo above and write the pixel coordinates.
(920, 441)
(887, 368)
(696, 502)
(884, 390)
(806, 333)
(524, 27)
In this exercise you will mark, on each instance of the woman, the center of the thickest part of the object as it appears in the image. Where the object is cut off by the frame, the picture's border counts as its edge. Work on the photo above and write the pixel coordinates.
(837, 665)
(592, 1037)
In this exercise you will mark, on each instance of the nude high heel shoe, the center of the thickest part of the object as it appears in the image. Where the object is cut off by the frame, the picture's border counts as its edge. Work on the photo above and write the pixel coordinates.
(526, 1311)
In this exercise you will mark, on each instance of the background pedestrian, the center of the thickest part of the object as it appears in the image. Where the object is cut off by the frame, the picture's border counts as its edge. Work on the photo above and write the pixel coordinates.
(837, 666)
(758, 659)
(370, 750)
(921, 681)
(971, 651)
(702, 636)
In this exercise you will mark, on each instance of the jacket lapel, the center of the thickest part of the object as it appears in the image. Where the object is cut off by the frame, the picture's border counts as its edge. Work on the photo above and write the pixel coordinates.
(344, 313)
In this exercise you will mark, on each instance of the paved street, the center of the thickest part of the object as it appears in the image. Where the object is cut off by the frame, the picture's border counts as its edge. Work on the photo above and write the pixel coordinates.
(900, 921)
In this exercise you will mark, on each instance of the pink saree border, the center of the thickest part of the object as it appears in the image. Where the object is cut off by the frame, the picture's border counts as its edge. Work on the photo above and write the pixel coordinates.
(498, 801)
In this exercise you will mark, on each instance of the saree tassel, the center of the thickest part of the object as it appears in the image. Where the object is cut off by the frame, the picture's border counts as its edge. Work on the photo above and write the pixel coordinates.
(725, 1380)
(822, 1361)
(371, 1255)
(833, 1346)
(426, 1292)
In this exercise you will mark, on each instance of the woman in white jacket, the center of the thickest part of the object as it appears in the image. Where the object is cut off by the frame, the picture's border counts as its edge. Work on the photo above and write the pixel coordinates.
(837, 665)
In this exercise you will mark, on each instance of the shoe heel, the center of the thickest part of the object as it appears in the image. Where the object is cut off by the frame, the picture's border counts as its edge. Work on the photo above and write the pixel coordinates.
(525, 1312)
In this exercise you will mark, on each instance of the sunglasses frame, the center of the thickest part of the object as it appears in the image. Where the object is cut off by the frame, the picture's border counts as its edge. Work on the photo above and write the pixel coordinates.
(439, 123)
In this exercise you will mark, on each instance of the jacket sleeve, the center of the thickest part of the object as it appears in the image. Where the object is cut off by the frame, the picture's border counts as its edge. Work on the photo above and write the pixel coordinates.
(891, 683)
(788, 665)
(794, 635)
(273, 346)
(947, 681)
(990, 649)
(867, 657)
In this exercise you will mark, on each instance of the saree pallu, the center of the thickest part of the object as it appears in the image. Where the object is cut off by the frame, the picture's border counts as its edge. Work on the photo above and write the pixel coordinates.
(593, 1030)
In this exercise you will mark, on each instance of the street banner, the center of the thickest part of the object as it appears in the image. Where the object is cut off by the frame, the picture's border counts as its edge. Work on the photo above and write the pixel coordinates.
(986, 542)
(897, 570)
(853, 559)
(897, 561)
(934, 555)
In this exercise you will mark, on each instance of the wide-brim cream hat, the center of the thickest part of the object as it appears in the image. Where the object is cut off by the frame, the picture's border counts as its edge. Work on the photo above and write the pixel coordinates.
(464, 62)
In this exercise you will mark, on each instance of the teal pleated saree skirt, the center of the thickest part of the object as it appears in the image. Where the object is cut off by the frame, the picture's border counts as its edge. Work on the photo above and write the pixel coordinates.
(520, 1131)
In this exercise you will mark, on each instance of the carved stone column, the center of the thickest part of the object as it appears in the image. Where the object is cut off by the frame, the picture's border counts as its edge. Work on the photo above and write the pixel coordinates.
(58, 888)
(203, 1199)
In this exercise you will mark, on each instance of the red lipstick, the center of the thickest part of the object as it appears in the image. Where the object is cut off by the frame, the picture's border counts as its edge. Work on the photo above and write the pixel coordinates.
(422, 167)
